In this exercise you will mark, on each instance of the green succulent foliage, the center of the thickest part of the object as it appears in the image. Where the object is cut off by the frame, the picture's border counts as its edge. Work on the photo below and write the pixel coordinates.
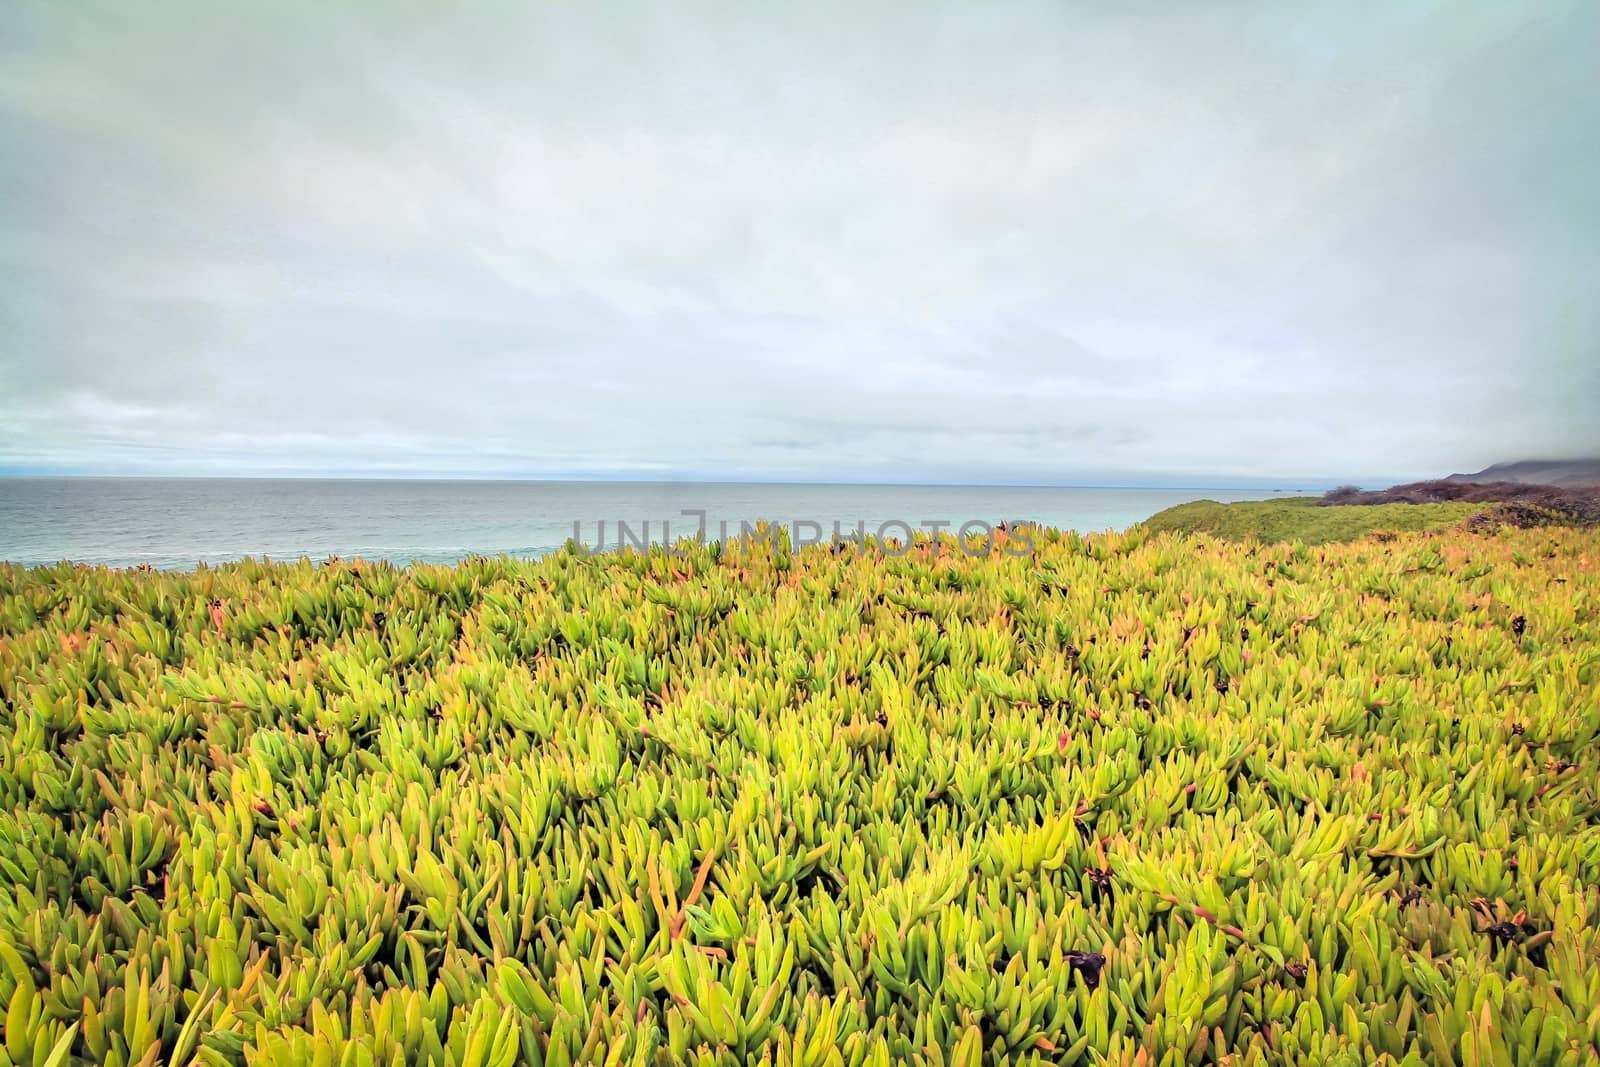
(1129, 799)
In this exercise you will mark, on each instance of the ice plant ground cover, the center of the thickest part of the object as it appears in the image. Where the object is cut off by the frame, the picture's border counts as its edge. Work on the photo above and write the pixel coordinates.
(1134, 799)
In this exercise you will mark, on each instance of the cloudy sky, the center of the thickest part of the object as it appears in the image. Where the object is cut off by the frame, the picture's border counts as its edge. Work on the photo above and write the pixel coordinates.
(1038, 242)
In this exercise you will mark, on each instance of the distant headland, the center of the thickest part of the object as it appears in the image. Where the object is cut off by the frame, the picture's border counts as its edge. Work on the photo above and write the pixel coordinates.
(1563, 472)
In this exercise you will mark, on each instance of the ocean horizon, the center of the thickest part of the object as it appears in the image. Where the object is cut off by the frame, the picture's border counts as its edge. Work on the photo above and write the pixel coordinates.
(176, 523)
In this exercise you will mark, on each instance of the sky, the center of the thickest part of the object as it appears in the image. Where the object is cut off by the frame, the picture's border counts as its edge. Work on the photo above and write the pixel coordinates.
(1048, 243)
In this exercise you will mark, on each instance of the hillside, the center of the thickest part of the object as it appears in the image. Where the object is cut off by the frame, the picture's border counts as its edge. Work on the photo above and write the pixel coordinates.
(1576, 504)
(1302, 518)
(1561, 472)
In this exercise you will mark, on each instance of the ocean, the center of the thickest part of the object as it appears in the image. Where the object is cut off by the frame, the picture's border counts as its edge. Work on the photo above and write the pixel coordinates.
(177, 523)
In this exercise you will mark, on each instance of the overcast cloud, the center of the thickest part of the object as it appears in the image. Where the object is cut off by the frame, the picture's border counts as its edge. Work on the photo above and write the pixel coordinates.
(1046, 242)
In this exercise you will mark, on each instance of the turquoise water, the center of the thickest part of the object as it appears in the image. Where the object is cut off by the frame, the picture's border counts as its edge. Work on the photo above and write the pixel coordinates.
(177, 523)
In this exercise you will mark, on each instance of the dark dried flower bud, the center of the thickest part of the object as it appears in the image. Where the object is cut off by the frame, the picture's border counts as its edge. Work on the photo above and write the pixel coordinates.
(1503, 933)
(1100, 883)
(1088, 965)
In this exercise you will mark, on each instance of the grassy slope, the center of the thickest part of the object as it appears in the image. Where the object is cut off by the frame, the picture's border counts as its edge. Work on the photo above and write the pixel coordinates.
(1289, 518)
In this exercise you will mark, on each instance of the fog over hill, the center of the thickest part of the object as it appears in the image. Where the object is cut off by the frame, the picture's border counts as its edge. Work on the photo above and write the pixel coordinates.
(1567, 472)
